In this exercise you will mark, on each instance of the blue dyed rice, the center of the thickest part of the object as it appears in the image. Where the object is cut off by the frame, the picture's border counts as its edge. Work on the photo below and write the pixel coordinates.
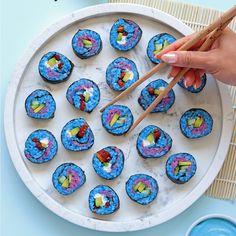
(180, 177)
(139, 197)
(36, 155)
(55, 74)
(63, 170)
(109, 196)
(78, 88)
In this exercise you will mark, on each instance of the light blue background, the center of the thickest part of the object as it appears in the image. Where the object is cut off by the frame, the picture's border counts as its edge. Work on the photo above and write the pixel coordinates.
(21, 213)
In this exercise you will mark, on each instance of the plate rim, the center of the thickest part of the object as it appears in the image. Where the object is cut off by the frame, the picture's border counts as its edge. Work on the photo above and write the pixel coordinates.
(38, 192)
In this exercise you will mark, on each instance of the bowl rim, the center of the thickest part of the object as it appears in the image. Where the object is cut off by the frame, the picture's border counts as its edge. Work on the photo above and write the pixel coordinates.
(210, 216)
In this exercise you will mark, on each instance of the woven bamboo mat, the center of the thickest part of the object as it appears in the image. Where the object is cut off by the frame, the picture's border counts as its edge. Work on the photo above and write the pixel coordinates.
(224, 186)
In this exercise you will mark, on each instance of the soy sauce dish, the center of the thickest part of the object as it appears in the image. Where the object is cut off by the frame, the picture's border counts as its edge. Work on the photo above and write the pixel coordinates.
(213, 225)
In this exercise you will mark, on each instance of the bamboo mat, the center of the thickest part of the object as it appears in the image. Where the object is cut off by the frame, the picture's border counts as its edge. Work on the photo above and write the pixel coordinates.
(224, 186)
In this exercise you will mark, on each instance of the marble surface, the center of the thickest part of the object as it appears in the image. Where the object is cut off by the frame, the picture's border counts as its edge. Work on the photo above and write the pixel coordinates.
(66, 227)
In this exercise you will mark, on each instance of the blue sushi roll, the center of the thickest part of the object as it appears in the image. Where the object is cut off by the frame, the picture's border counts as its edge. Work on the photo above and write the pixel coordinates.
(125, 34)
(55, 67)
(151, 92)
(83, 94)
(77, 136)
(108, 162)
(196, 123)
(40, 104)
(103, 200)
(153, 142)
(40, 147)
(67, 178)
(142, 188)
(86, 43)
(191, 88)
(181, 167)
(121, 74)
(157, 44)
(117, 119)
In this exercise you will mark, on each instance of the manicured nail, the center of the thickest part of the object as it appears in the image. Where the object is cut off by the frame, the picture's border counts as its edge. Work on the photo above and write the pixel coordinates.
(185, 84)
(169, 58)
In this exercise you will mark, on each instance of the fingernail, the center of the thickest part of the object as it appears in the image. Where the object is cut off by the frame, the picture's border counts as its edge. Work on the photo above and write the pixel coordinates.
(169, 58)
(185, 84)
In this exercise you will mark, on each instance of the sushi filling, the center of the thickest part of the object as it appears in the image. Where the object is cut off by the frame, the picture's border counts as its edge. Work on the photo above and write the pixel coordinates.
(142, 188)
(55, 67)
(69, 179)
(153, 142)
(159, 46)
(108, 162)
(84, 95)
(125, 75)
(125, 34)
(40, 147)
(86, 43)
(181, 167)
(76, 135)
(103, 200)
(152, 91)
(196, 123)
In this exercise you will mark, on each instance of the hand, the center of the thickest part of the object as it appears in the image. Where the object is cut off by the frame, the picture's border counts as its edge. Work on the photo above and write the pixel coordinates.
(220, 60)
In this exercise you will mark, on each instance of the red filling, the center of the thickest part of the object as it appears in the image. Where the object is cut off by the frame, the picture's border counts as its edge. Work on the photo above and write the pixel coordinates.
(82, 130)
(103, 156)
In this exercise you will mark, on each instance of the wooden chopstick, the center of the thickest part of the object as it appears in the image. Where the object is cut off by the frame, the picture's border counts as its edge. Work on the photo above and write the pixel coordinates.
(200, 35)
(204, 47)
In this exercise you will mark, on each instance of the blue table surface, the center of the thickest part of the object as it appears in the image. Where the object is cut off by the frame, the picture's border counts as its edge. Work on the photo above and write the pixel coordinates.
(21, 213)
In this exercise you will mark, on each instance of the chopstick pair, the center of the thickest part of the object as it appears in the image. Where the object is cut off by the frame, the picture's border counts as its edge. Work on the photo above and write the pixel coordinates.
(212, 32)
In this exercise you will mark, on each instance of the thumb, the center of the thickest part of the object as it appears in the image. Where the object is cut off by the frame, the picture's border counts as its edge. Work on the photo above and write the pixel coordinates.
(191, 59)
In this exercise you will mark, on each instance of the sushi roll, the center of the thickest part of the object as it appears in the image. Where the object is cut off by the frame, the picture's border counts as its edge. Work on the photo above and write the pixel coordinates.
(151, 92)
(125, 34)
(121, 74)
(108, 162)
(67, 178)
(196, 123)
(103, 200)
(77, 136)
(40, 147)
(40, 104)
(153, 142)
(141, 188)
(83, 94)
(181, 167)
(86, 43)
(55, 68)
(117, 119)
(191, 88)
(157, 44)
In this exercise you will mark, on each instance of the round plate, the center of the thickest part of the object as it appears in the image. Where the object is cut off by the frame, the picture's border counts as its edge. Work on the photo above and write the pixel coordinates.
(209, 151)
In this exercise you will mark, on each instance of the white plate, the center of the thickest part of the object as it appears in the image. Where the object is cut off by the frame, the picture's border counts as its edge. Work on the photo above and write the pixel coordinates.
(172, 199)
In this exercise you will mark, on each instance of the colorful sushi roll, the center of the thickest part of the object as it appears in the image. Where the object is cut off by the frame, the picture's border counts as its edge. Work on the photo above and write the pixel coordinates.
(40, 104)
(153, 142)
(67, 178)
(108, 162)
(121, 74)
(191, 88)
(181, 167)
(41, 146)
(151, 92)
(86, 43)
(157, 43)
(125, 34)
(142, 188)
(103, 200)
(77, 136)
(117, 119)
(55, 68)
(196, 123)
(83, 94)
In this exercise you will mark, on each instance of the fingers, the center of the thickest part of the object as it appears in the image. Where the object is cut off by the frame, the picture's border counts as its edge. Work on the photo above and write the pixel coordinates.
(191, 59)
(174, 71)
(189, 78)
